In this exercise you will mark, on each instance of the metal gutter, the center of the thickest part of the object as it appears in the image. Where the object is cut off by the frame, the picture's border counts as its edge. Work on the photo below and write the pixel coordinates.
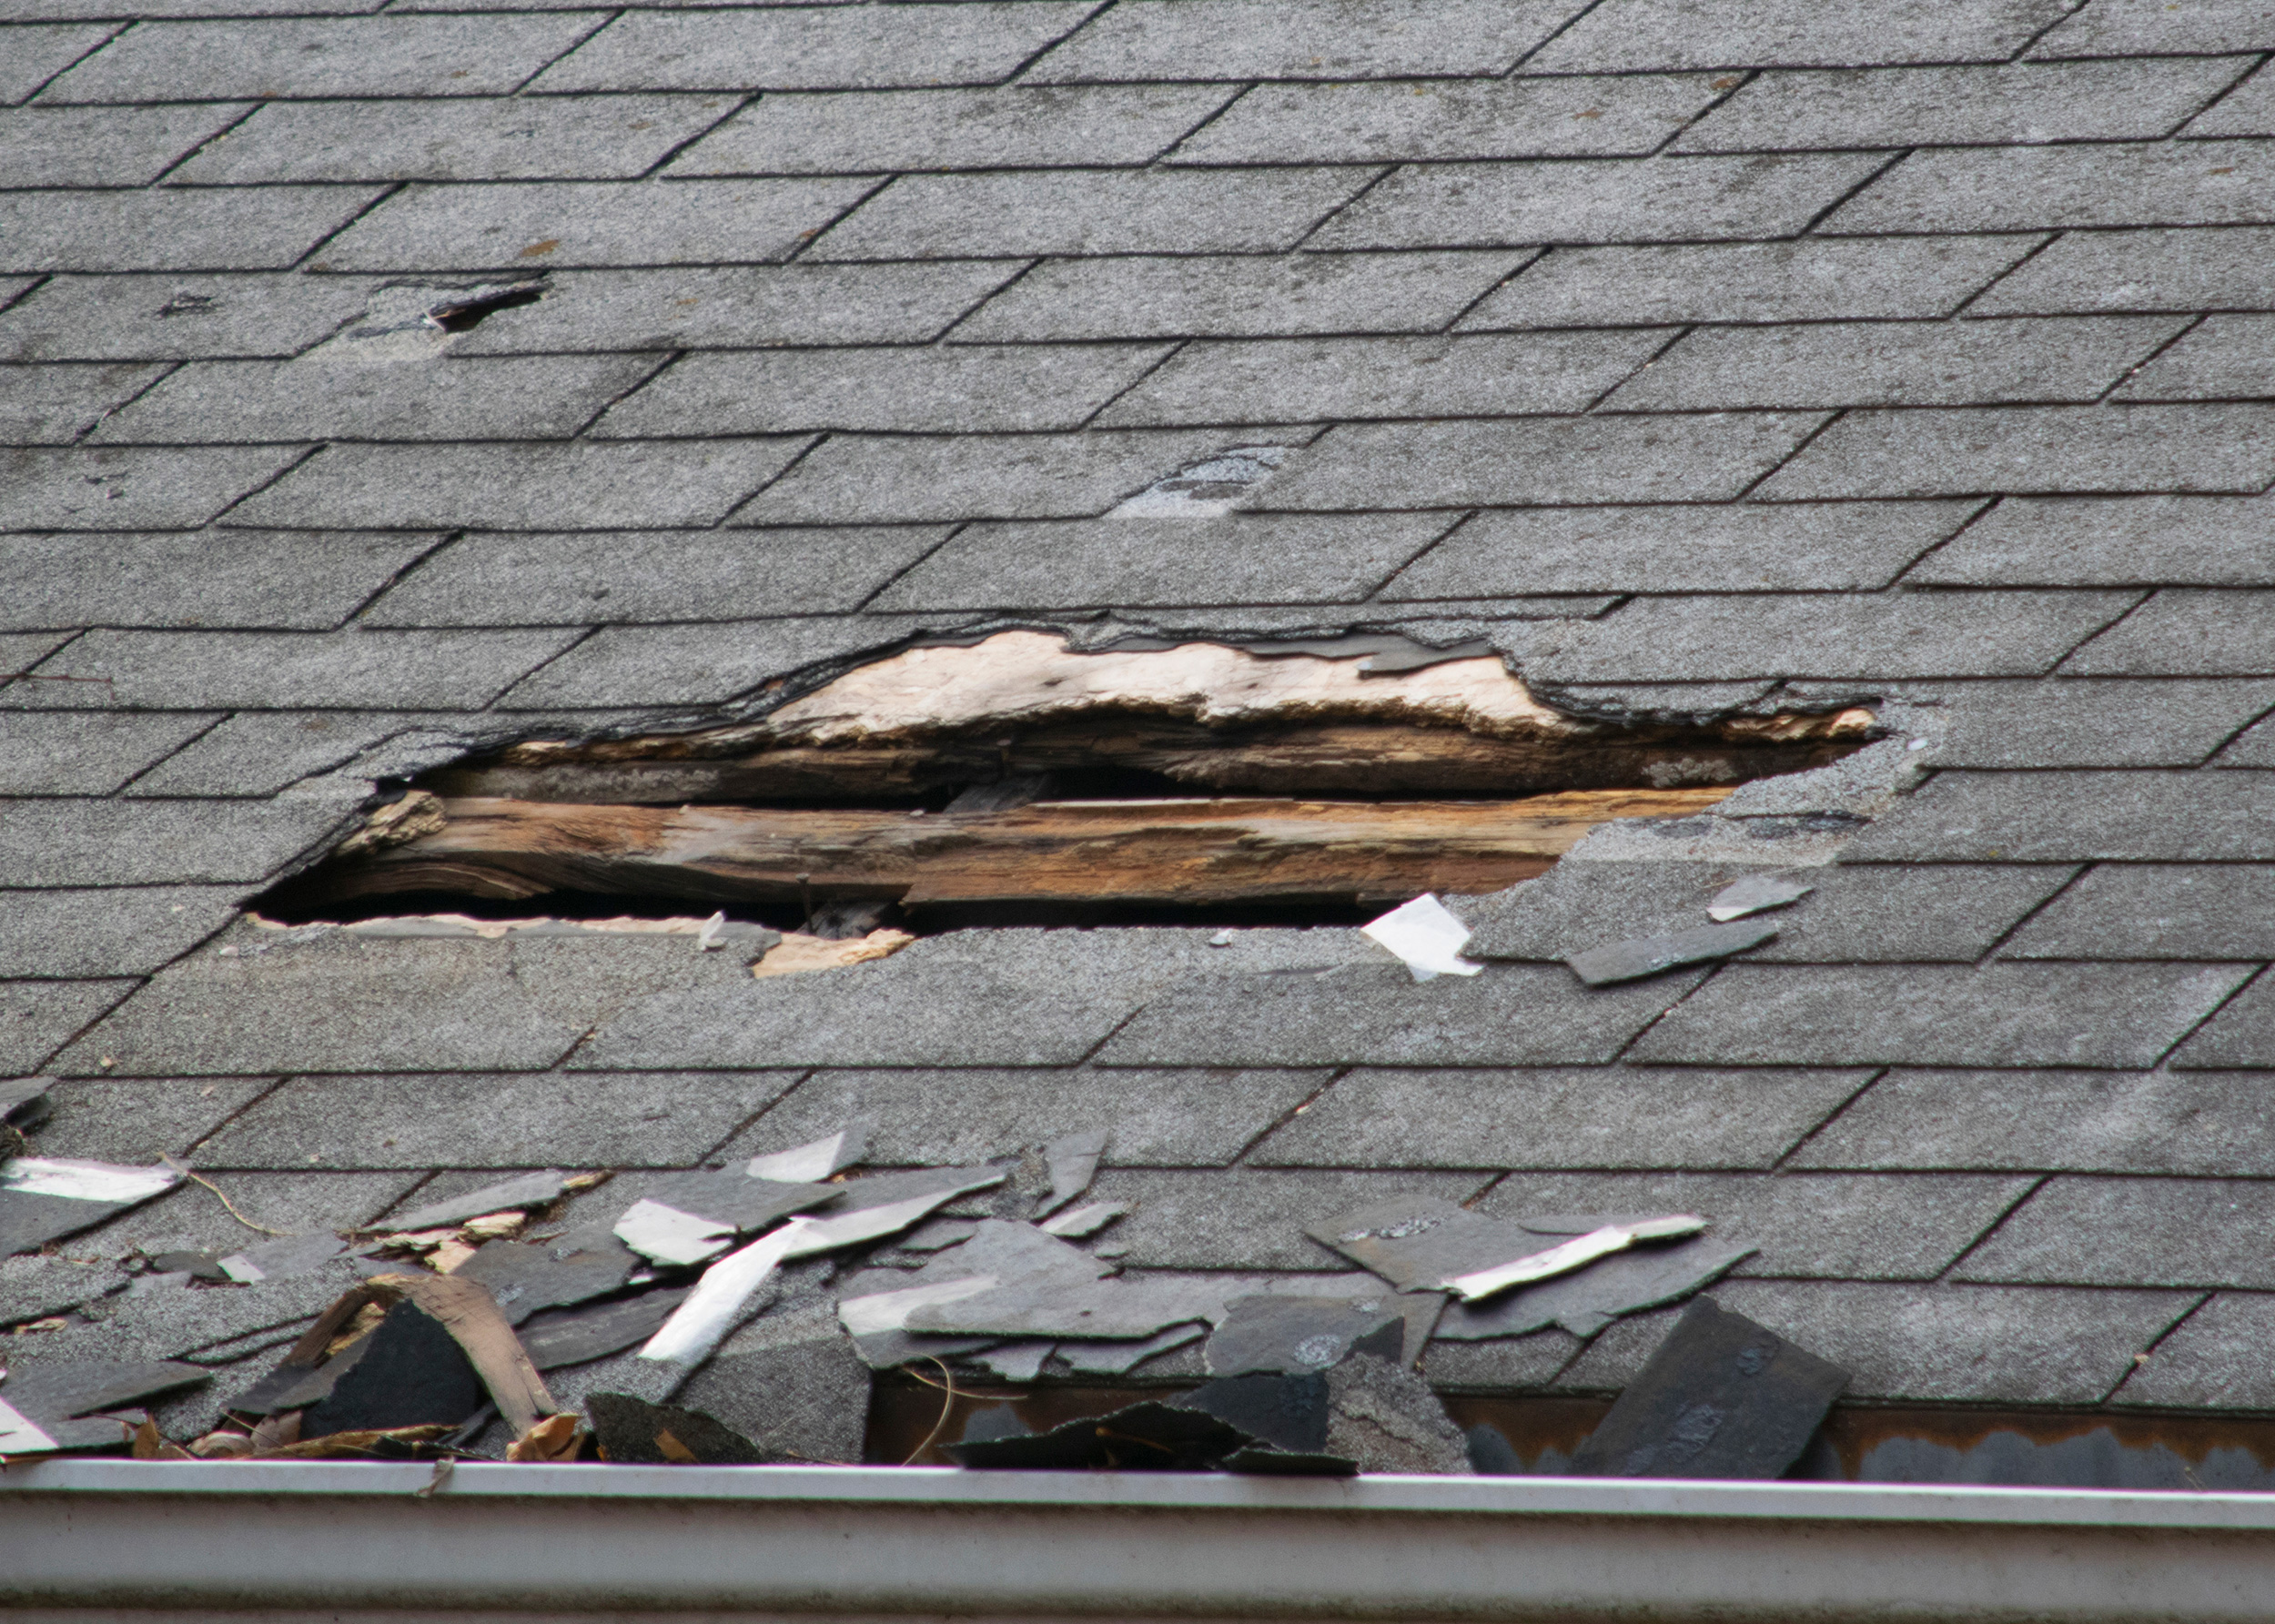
(306, 1540)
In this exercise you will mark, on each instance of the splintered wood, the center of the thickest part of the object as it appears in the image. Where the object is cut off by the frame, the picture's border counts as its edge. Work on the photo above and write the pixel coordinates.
(1200, 716)
(1175, 852)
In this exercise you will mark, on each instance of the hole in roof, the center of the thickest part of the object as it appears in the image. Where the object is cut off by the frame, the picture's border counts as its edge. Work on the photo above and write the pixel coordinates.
(1012, 781)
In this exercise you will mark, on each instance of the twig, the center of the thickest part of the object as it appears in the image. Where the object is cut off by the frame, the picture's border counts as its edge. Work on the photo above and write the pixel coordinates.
(240, 1217)
(946, 1385)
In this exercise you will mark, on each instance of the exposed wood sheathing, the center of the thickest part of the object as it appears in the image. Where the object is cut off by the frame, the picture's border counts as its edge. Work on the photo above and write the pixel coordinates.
(1197, 852)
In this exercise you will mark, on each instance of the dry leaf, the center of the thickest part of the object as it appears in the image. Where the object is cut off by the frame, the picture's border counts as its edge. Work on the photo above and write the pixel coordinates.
(555, 1438)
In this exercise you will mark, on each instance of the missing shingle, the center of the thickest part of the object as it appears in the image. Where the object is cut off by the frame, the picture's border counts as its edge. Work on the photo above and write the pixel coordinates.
(1010, 779)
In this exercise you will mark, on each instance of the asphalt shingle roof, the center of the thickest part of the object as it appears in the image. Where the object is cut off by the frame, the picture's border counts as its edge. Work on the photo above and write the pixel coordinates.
(1918, 353)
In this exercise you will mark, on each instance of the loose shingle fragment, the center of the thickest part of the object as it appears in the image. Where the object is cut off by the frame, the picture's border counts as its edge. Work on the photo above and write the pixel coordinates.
(523, 1278)
(633, 1430)
(1421, 1243)
(1756, 893)
(1291, 1334)
(1585, 1302)
(69, 1389)
(46, 1198)
(806, 1162)
(1071, 1161)
(412, 1372)
(1145, 1438)
(530, 1190)
(1654, 955)
(1722, 1397)
(562, 1337)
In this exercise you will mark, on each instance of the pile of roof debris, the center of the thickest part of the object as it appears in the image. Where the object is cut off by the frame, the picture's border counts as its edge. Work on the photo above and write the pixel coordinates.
(735, 1315)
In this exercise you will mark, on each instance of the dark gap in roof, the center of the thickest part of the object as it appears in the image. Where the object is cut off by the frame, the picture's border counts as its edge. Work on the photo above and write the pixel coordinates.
(1005, 782)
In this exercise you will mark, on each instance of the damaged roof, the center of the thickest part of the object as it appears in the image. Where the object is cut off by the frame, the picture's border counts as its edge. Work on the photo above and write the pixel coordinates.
(384, 385)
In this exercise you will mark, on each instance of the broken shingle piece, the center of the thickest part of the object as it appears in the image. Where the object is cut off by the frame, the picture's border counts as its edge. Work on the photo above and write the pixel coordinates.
(1585, 1302)
(1720, 1397)
(1288, 1334)
(563, 1336)
(1287, 1411)
(1654, 955)
(411, 1373)
(665, 1234)
(731, 1198)
(879, 1320)
(1151, 1437)
(44, 1199)
(1119, 1359)
(1385, 1418)
(1016, 1361)
(74, 1387)
(1072, 1160)
(1112, 1310)
(529, 1190)
(1421, 1243)
(575, 1268)
(281, 1258)
(806, 1164)
(1078, 1222)
(635, 1432)
(1756, 893)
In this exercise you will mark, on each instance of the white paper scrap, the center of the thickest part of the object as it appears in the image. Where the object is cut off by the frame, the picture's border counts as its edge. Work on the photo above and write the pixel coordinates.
(243, 1269)
(1576, 1253)
(708, 936)
(18, 1435)
(1426, 935)
(703, 1320)
(84, 1181)
(667, 1234)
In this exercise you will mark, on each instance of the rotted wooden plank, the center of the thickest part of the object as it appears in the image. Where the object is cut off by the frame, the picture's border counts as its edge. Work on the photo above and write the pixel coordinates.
(1177, 851)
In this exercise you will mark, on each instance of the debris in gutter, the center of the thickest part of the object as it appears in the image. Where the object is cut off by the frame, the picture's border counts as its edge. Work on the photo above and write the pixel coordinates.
(1425, 934)
(1720, 1397)
(1756, 893)
(1654, 955)
(635, 1432)
(1150, 1436)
